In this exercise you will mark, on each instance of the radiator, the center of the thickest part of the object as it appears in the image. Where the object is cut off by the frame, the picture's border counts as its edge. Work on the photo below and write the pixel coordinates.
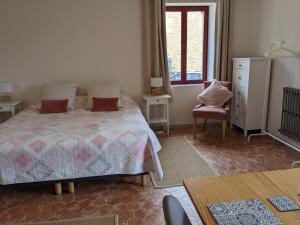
(290, 118)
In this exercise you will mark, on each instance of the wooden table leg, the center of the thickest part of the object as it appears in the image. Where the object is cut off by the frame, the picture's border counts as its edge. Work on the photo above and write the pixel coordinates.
(71, 188)
(144, 180)
(58, 189)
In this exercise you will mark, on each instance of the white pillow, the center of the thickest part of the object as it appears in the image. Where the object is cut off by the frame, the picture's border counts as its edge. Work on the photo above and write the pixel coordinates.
(59, 91)
(104, 90)
(80, 102)
(215, 95)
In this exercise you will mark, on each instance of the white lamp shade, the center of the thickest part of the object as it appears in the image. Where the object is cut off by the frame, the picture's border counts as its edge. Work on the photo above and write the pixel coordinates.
(156, 82)
(6, 87)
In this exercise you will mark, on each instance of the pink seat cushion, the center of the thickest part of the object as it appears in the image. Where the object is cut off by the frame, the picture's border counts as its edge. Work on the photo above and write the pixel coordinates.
(207, 112)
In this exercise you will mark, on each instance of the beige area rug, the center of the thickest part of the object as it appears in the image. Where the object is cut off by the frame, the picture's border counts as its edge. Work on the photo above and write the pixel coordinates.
(94, 220)
(180, 160)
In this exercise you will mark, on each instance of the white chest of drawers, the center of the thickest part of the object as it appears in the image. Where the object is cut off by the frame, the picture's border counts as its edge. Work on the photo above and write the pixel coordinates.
(248, 86)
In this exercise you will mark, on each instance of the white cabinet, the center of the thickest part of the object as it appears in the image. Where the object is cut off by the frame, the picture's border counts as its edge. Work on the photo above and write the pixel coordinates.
(248, 86)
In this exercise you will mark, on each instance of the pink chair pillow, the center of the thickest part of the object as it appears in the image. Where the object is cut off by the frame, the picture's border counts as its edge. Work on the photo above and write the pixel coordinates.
(216, 95)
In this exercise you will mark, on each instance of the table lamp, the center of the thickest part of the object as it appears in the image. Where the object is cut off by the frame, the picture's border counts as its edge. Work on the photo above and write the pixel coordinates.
(5, 89)
(156, 85)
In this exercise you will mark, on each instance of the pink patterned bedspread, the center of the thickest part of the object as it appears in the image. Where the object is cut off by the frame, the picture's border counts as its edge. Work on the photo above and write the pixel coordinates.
(77, 144)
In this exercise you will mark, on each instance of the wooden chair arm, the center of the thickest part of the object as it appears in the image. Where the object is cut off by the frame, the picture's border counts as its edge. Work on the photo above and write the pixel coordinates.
(198, 106)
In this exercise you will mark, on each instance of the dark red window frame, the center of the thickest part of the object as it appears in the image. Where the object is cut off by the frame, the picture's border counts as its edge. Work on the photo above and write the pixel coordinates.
(184, 10)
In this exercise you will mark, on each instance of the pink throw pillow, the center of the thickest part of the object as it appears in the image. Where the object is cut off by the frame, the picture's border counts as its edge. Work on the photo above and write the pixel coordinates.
(54, 106)
(105, 104)
(216, 95)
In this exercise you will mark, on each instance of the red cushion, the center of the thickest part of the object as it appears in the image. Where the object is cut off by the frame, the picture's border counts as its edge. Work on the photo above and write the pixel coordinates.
(211, 113)
(54, 106)
(105, 104)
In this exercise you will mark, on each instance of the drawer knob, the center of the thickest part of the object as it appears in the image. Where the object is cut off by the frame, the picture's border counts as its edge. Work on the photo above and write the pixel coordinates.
(240, 78)
(240, 65)
(157, 100)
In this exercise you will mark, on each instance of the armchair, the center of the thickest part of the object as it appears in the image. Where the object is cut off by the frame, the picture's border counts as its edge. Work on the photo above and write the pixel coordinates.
(214, 113)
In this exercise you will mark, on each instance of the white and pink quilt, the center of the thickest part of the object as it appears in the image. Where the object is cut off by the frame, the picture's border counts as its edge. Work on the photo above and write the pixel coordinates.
(37, 147)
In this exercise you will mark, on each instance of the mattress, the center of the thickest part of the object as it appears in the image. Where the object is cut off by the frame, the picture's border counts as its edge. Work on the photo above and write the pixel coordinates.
(38, 147)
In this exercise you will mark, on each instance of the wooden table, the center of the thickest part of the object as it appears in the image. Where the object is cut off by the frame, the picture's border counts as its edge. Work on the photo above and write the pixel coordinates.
(204, 191)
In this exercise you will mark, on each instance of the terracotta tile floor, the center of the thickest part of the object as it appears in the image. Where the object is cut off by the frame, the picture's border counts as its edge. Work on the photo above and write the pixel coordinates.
(138, 205)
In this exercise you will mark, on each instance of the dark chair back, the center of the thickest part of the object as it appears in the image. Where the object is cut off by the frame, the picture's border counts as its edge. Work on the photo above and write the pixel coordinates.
(174, 212)
(224, 83)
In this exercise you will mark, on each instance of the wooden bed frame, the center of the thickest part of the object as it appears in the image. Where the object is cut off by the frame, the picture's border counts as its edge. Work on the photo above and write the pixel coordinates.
(71, 187)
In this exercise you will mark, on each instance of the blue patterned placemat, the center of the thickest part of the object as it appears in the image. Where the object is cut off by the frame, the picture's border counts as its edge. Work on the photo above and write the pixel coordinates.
(284, 203)
(246, 212)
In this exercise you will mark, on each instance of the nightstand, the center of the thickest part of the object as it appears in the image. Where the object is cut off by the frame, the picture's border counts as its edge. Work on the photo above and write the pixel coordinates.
(162, 101)
(13, 107)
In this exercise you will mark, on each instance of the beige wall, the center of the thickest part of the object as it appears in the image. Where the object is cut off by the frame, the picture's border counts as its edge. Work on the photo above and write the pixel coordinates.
(240, 22)
(185, 96)
(277, 20)
(79, 40)
(96, 41)
(259, 23)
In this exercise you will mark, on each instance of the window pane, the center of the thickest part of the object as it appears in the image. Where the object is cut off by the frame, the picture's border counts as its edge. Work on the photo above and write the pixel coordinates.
(195, 35)
(173, 27)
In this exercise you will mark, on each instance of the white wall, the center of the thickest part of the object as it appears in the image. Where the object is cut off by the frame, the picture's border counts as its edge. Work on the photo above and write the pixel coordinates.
(240, 24)
(89, 41)
(84, 41)
(258, 23)
(62, 40)
(185, 96)
(275, 20)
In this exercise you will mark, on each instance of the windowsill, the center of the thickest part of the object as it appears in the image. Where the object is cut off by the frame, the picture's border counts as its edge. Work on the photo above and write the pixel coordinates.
(185, 85)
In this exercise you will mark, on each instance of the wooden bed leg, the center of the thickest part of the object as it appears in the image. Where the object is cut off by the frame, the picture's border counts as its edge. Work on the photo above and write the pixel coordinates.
(71, 188)
(144, 180)
(58, 189)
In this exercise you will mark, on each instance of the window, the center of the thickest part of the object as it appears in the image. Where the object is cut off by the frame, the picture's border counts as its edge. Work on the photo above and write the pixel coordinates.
(187, 43)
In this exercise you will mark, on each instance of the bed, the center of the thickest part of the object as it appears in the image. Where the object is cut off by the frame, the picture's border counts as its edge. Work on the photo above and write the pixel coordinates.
(77, 144)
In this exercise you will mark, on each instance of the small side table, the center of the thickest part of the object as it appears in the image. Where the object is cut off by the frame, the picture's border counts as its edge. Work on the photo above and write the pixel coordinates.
(13, 107)
(161, 100)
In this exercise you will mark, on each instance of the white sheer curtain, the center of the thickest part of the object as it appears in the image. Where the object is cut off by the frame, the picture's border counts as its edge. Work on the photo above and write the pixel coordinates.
(155, 41)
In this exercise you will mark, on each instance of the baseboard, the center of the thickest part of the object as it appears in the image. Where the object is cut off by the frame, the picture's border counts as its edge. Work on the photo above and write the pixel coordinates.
(186, 125)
